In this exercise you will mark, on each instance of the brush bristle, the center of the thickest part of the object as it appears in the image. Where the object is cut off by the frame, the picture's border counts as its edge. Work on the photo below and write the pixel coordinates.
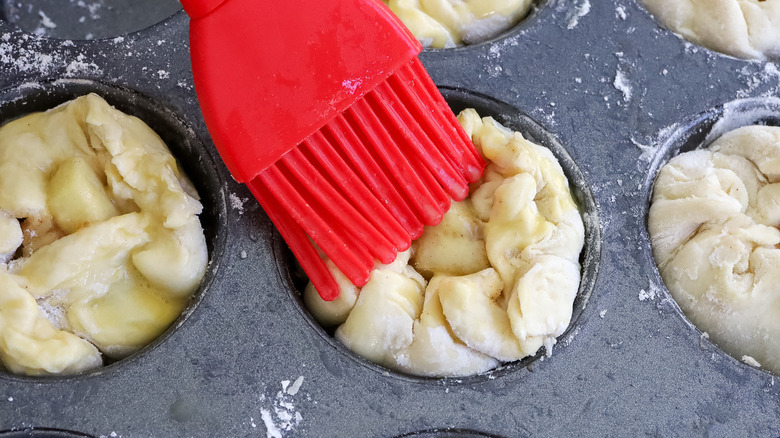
(365, 185)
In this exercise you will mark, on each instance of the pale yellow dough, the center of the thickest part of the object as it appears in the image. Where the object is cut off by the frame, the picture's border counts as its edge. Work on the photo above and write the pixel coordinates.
(741, 28)
(713, 226)
(106, 237)
(450, 23)
(492, 283)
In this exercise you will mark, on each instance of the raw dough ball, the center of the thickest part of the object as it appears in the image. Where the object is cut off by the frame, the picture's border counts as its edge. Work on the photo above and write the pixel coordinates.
(741, 28)
(450, 23)
(111, 246)
(502, 270)
(713, 225)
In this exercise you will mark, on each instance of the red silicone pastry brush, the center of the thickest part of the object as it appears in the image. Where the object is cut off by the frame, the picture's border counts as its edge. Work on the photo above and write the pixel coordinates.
(322, 108)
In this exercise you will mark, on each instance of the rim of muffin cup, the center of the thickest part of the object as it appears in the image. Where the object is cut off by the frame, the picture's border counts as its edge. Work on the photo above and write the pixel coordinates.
(685, 41)
(528, 21)
(444, 433)
(192, 156)
(590, 256)
(42, 432)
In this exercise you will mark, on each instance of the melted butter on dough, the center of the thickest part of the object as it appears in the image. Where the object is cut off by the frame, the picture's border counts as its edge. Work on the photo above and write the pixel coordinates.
(105, 230)
(449, 23)
(492, 283)
(713, 226)
(741, 28)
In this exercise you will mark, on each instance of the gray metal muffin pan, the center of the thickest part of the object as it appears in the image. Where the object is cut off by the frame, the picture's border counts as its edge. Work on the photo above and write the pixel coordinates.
(612, 94)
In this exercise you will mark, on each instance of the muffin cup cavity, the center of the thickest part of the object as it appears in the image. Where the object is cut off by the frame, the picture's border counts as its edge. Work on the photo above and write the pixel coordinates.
(96, 19)
(699, 132)
(520, 26)
(516, 120)
(194, 159)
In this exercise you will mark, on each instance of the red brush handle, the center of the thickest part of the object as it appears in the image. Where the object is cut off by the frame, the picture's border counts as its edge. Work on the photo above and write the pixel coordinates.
(200, 8)
(269, 73)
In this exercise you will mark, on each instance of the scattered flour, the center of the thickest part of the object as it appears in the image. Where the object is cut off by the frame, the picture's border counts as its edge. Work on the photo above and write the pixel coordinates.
(750, 361)
(271, 431)
(647, 150)
(93, 7)
(580, 9)
(565, 342)
(703, 339)
(548, 118)
(237, 203)
(24, 53)
(80, 67)
(46, 21)
(651, 145)
(622, 84)
(283, 416)
(620, 12)
(296, 386)
(651, 293)
(766, 81)
(499, 47)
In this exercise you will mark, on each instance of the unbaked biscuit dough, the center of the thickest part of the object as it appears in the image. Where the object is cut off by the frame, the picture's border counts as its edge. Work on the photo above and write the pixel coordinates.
(741, 28)
(492, 283)
(450, 23)
(713, 227)
(100, 243)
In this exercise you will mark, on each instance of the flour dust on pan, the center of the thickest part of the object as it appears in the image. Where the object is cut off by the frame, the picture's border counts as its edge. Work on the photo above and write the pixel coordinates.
(86, 19)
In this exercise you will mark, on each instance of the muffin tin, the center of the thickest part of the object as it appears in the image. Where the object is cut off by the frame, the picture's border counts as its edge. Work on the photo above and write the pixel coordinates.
(609, 92)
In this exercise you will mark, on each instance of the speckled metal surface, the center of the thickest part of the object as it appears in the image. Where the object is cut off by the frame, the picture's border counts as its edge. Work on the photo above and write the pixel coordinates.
(610, 92)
